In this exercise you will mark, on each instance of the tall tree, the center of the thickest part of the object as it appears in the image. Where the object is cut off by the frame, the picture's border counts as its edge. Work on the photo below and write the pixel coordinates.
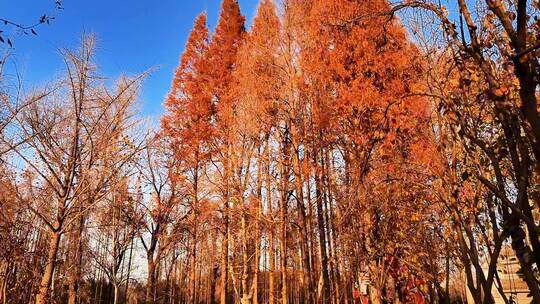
(256, 110)
(188, 125)
(222, 56)
(74, 133)
(360, 75)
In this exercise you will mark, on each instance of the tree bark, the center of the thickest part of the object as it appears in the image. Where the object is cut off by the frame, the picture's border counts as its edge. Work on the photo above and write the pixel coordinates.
(115, 299)
(283, 231)
(272, 268)
(151, 279)
(270, 231)
(224, 256)
(76, 263)
(245, 258)
(46, 280)
(193, 272)
(254, 293)
(322, 238)
(308, 292)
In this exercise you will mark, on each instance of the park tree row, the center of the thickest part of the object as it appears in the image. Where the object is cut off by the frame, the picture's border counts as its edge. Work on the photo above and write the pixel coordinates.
(331, 151)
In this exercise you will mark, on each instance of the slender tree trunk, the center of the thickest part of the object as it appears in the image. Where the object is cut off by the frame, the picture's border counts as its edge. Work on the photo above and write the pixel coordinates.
(115, 299)
(226, 233)
(151, 279)
(255, 283)
(193, 272)
(245, 259)
(224, 256)
(129, 269)
(254, 293)
(193, 293)
(304, 230)
(214, 279)
(272, 268)
(76, 263)
(322, 238)
(270, 229)
(5, 280)
(46, 280)
(310, 241)
(283, 237)
(447, 275)
(330, 252)
(283, 255)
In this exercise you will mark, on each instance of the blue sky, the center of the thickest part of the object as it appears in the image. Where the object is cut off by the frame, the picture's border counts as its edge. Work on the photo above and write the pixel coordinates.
(133, 36)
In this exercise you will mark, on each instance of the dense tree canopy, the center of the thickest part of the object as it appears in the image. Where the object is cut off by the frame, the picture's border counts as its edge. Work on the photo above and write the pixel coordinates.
(336, 151)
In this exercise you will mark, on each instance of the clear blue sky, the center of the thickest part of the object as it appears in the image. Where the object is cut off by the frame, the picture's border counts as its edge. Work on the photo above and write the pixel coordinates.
(133, 36)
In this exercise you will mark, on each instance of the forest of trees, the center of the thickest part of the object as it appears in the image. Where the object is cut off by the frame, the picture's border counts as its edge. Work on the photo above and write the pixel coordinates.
(331, 145)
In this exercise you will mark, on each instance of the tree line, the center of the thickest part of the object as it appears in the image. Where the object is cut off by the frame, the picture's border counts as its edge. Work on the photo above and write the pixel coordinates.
(336, 149)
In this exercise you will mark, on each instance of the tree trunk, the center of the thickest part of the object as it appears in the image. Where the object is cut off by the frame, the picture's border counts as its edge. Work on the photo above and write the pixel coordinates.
(283, 244)
(193, 267)
(524, 256)
(283, 255)
(46, 280)
(151, 279)
(254, 293)
(129, 269)
(224, 257)
(214, 279)
(75, 273)
(322, 239)
(115, 300)
(272, 267)
(226, 233)
(270, 246)
(308, 285)
(285, 175)
(529, 106)
(255, 282)
(245, 258)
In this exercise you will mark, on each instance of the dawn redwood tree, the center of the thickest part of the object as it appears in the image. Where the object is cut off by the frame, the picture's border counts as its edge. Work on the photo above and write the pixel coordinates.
(258, 87)
(187, 122)
(222, 56)
(359, 76)
(188, 126)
